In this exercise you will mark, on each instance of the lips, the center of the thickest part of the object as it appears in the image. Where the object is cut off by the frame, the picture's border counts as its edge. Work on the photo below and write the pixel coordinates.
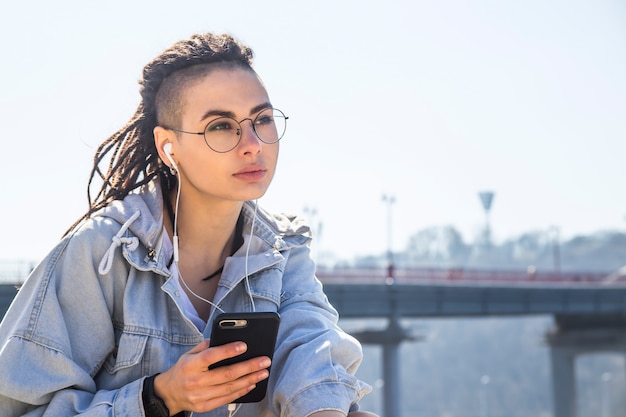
(251, 173)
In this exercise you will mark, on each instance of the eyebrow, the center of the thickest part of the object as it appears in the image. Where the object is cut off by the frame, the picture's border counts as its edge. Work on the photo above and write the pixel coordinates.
(224, 113)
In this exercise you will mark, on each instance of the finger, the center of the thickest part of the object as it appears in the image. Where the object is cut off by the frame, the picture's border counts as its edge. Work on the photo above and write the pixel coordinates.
(225, 384)
(228, 392)
(212, 403)
(219, 353)
(213, 394)
(229, 373)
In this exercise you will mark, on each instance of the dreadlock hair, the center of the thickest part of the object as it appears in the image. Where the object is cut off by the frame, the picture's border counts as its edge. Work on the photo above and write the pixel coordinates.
(130, 155)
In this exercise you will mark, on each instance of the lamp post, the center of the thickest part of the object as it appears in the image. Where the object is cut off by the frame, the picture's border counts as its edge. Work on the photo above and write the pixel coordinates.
(556, 251)
(316, 230)
(389, 199)
(486, 199)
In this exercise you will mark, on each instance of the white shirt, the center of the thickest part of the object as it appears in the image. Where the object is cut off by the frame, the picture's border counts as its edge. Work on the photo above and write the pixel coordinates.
(188, 309)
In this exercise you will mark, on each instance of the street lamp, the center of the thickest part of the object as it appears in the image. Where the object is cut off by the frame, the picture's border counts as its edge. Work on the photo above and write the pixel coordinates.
(556, 252)
(486, 199)
(389, 199)
(316, 230)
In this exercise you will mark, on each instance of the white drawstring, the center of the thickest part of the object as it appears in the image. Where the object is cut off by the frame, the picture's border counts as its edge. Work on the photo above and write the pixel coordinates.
(116, 241)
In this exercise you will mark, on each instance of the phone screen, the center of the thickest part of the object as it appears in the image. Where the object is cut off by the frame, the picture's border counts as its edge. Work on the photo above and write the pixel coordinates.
(258, 330)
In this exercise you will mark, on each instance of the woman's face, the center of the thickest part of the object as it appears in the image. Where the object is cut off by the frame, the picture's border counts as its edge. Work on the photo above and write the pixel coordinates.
(243, 173)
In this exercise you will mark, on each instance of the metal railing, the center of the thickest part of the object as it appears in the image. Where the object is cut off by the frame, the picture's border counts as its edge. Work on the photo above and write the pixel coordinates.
(469, 276)
(13, 272)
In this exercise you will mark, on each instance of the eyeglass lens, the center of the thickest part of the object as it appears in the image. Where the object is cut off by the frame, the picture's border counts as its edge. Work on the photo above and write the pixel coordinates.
(223, 134)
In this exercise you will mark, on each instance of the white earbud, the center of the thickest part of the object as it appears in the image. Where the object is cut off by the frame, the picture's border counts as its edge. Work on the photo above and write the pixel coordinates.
(167, 148)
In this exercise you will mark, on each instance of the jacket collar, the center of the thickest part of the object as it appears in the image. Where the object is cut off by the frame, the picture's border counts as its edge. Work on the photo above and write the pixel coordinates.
(271, 233)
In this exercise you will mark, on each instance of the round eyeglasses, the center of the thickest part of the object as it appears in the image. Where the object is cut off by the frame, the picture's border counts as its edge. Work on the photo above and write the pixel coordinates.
(224, 133)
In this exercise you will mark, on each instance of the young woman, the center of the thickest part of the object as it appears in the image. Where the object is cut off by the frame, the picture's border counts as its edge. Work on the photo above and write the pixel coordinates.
(114, 321)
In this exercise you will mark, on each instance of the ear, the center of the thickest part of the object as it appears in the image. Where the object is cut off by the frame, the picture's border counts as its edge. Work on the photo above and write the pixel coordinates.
(162, 137)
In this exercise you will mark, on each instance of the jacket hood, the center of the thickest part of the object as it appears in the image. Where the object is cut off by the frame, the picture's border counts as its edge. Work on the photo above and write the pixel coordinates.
(148, 202)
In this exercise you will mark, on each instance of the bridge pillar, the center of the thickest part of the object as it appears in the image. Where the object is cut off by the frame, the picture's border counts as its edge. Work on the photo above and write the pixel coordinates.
(390, 340)
(563, 381)
(576, 334)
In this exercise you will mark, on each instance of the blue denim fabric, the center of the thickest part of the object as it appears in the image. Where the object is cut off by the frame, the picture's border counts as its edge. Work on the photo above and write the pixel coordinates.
(100, 313)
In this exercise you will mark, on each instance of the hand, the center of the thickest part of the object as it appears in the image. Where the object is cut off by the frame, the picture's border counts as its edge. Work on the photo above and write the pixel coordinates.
(189, 385)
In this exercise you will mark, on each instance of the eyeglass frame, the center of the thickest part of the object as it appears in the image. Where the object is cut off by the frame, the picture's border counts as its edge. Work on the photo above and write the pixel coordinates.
(239, 122)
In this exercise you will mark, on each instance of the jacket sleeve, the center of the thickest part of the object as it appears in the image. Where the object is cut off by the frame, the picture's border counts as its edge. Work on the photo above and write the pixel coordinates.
(55, 338)
(315, 361)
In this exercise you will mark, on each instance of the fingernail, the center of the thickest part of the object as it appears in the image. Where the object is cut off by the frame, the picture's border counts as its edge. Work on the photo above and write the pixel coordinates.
(263, 375)
(265, 363)
(240, 347)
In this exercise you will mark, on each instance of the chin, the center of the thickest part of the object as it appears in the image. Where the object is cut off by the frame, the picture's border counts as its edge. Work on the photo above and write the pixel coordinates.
(256, 194)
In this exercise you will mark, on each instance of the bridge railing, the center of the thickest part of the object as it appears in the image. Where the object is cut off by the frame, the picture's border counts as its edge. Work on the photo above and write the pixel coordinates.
(468, 276)
(12, 272)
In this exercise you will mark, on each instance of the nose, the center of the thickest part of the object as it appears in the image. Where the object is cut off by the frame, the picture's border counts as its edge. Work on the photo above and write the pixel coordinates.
(249, 142)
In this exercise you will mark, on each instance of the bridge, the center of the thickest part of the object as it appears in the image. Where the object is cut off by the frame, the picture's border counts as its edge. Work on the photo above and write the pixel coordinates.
(434, 293)
(589, 311)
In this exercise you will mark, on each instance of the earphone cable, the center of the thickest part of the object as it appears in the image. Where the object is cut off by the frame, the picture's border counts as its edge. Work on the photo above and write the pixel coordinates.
(248, 290)
(175, 244)
(175, 237)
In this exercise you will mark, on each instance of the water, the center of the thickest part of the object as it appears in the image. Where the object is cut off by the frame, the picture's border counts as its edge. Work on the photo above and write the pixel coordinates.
(488, 367)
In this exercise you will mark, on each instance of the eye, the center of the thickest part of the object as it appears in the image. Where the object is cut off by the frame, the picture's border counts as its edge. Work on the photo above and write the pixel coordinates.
(223, 123)
(264, 120)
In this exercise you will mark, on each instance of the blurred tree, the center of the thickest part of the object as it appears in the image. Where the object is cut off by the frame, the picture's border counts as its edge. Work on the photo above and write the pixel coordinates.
(437, 246)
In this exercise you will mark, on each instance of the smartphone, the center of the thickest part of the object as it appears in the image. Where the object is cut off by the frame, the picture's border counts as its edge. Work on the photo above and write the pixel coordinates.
(258, 330)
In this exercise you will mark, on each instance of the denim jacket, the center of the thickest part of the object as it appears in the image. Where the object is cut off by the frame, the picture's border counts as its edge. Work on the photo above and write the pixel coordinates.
(101, 312)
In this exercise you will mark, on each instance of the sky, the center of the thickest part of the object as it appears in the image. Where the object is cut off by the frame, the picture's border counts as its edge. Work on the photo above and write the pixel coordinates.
(426, 102)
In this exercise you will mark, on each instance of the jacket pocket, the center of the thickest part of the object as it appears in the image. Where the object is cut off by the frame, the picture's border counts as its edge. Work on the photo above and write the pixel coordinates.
(266, 287)
(127, 354)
